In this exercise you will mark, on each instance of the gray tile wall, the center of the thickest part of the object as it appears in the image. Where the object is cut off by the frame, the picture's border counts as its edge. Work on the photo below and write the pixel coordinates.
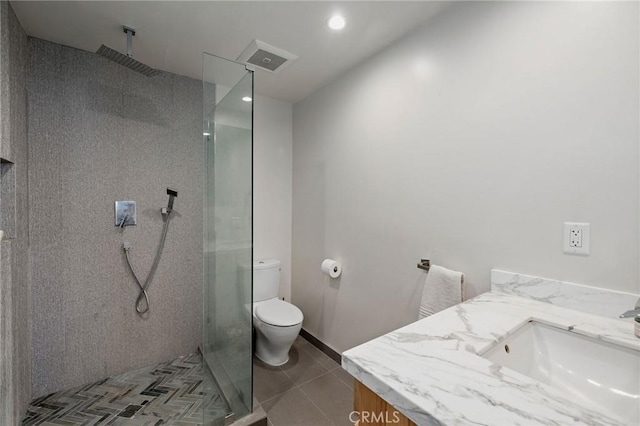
(15, 293)
(98, 133)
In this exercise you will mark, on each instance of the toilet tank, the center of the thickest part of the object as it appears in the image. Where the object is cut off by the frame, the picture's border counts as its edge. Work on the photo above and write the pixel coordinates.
(266, 279)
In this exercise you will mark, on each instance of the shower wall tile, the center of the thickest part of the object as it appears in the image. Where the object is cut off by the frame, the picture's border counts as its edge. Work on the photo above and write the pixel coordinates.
(82, 360)
(100, 133)
(15, 291)
(4, 77)
(7, 385)
(46, 162)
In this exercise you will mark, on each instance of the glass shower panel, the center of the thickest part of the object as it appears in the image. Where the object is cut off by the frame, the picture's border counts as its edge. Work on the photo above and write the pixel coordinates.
(228, 233)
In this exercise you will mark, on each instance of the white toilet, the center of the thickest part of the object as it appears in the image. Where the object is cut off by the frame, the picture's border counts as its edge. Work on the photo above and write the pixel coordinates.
(277, 322)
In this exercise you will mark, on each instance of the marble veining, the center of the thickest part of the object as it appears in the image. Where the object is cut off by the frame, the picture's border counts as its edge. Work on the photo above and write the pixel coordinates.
(594, 300)
(431, 370)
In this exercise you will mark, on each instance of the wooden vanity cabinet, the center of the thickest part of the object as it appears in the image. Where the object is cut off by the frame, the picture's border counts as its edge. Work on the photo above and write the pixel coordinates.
(374, 410)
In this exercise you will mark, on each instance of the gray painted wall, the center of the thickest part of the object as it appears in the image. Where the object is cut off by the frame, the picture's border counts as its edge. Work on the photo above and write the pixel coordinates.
(98, 133)
(15, 293)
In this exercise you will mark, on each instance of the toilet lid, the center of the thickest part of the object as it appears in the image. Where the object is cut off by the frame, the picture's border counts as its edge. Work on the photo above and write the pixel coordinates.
(279, 313)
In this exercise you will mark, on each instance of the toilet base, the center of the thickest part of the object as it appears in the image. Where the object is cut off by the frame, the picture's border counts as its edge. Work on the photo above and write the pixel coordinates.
(271, 363)
(273, 343)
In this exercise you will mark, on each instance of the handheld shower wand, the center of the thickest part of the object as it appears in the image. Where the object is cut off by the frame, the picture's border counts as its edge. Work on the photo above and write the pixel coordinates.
(143, 287)
(173, 194)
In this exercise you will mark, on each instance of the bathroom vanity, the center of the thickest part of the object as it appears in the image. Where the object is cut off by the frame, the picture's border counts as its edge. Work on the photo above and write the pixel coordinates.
(503, 358)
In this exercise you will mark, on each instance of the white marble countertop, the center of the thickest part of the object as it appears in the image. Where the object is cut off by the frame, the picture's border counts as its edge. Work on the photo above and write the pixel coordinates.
(431, 372)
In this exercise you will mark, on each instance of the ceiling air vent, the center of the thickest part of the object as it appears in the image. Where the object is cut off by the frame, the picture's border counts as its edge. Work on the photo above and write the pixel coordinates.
(265, 56)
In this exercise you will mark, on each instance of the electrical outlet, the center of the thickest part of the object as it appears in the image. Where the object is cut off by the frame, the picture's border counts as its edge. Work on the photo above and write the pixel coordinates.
(576, 238)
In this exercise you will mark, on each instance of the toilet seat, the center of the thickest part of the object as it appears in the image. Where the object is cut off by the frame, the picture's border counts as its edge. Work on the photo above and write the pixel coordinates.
(278, 313)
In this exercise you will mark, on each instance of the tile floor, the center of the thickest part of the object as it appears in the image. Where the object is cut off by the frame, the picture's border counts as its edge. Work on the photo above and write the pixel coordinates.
(170, 393)
(309, 390)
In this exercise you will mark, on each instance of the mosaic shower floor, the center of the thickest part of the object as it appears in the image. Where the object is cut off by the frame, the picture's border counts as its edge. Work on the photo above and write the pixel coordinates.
(170, 393)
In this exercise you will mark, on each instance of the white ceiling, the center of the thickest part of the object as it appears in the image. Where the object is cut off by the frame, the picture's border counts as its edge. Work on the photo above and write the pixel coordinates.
(171, 35)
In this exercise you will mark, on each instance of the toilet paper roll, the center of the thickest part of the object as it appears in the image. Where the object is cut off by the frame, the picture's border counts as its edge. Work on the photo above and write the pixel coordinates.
(331, 267)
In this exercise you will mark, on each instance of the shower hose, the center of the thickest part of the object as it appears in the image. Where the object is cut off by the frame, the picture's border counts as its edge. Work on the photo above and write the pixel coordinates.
(143, 295)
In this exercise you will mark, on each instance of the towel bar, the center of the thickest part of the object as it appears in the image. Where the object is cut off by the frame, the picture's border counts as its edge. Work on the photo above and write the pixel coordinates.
(424, 264)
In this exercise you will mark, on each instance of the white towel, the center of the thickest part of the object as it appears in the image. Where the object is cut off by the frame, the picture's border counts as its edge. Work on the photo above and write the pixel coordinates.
(444, 288)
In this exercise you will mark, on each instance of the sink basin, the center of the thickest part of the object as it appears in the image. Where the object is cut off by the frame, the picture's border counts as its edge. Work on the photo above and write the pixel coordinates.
(595, 374)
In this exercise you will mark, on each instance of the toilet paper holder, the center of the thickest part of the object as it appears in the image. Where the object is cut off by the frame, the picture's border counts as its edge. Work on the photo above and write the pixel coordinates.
(424, 264)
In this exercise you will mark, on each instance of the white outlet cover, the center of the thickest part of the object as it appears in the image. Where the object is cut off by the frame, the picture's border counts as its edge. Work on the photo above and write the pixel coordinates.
(584, 249)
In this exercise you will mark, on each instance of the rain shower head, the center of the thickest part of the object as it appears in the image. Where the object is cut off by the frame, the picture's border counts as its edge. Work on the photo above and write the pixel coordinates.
(127, 60)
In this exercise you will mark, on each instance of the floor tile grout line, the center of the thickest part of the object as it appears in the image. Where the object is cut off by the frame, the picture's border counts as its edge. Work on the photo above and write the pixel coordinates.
(336, 377)
(299, 386)
(281, 393)
(350, 386)
(296, 386)
(322, 354)
(290, 378)
(277, 395)
(306, 381)
(310, 380)
(315, 360)
(303, 394)
(316, 405)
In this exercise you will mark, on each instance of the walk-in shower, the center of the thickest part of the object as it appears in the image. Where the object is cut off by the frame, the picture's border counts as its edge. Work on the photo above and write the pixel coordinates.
(102, 132)
(108, 346)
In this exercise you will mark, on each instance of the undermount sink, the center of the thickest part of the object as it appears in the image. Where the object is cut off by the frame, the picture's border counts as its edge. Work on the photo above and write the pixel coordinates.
(595, 374)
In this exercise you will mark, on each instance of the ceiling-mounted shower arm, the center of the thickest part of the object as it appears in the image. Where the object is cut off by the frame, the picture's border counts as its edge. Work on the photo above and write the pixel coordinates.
(127, 60)
(130, 32)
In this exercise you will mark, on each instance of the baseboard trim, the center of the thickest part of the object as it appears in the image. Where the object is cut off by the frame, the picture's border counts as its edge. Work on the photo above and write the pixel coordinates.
(320, 345)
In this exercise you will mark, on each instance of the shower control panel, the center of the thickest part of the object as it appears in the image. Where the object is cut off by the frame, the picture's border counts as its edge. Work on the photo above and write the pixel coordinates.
(125, 213)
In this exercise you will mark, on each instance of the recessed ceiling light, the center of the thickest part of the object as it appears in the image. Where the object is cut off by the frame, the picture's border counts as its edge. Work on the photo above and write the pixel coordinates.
(336, 22)
(206, 134)
(247, 99)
